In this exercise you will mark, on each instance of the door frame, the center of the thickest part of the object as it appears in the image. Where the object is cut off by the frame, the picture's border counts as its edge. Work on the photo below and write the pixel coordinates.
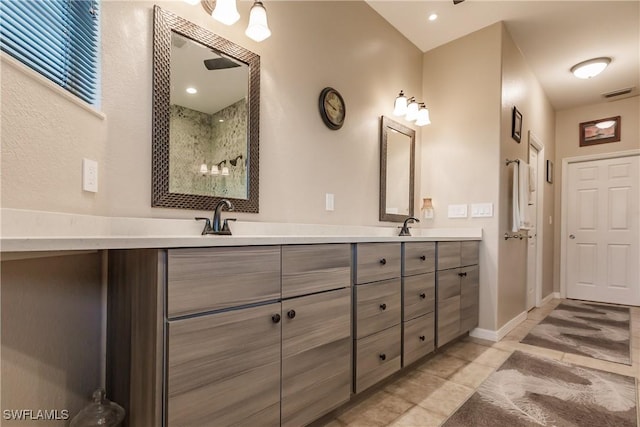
(535, 141)
(564, 208)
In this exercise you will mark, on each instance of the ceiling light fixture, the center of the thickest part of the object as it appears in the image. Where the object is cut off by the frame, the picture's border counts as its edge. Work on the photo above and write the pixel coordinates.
(433, 17)
(226, 11)
(192, 90)
(590, 68)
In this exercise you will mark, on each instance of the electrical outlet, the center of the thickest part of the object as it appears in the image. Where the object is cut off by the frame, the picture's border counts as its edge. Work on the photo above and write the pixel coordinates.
(90, 175)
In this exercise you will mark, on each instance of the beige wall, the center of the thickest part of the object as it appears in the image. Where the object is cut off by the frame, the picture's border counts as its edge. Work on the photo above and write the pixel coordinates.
(461, 86)
(345, 45)
(51, 333)
(521, 88)
(568, 145)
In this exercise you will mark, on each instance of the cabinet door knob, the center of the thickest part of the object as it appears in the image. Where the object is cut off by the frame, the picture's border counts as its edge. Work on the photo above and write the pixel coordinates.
(464, 274)
(275, 318)
(423, 257)
(383, 261)
(383, 356)
(291, 314)
(423, 295)
(383, 307)
(421, 337)
(461, 274)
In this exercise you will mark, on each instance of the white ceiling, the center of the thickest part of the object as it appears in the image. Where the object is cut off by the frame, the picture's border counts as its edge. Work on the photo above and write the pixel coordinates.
(552, 35)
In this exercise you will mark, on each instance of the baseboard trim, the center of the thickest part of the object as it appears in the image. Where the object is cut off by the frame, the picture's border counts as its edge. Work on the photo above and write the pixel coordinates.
(495, 336)
(557, 295)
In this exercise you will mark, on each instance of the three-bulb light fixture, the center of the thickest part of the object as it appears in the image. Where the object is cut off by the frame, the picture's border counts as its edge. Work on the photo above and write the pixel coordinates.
(217, 168)
(412, 110)
(226, 12)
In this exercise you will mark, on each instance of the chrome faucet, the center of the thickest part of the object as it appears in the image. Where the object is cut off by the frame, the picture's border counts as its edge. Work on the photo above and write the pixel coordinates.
(405, 227)
(217, 215)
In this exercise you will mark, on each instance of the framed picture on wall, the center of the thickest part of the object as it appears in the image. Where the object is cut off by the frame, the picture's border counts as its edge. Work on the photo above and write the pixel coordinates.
(600, 131)
(516, 125)
(549, 171)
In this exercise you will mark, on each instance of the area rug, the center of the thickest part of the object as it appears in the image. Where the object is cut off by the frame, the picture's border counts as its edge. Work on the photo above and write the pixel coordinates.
(530, 390)
(592, 330)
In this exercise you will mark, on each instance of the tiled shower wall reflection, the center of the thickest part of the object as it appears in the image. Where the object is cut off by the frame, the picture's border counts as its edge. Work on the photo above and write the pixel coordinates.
(198, 138)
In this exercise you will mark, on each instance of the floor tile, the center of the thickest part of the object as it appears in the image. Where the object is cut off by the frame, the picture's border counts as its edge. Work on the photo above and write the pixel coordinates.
(379, 409)
(493, 357)
(472, 375)
(418, 416)
(443, 365)
(415, 387)
(466, 350)
(447, 398)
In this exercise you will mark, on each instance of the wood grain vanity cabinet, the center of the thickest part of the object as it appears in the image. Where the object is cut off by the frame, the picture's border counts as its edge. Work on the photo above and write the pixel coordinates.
(418, 300)
(377, 312)
(457, 289)
(257, 335)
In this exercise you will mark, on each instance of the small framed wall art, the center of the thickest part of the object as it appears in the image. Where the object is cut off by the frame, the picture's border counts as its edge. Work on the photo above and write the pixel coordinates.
(600, 131)
(516, 125)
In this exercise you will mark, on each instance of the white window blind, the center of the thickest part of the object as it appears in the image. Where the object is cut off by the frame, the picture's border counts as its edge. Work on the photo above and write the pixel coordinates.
(57, 38)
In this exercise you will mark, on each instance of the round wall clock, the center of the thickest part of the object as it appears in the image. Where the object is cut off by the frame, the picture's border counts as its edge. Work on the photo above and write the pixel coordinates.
(332, 108)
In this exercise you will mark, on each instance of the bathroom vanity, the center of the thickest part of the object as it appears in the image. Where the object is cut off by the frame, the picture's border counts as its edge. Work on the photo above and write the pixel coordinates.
(277, 334)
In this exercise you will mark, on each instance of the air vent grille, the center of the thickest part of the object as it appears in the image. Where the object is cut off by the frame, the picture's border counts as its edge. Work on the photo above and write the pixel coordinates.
(618, 92)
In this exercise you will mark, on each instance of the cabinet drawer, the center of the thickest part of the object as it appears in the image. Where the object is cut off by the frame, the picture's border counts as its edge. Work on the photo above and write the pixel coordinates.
(419, 295)
(223, 359)
(314, 268)
(448, 283)
(377, 261)
(419, 258)
(448, 320)
(377, 357)
(419, 339)
(448, 255)
(469, 252)
(377, 306)
(201, 280)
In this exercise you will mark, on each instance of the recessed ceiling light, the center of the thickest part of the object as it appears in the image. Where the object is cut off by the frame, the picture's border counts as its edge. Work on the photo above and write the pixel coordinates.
(433, 17)
(192, 90)
(590, 68)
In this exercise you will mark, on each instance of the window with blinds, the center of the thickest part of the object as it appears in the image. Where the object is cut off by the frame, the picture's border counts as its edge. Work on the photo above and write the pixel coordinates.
(57, 38)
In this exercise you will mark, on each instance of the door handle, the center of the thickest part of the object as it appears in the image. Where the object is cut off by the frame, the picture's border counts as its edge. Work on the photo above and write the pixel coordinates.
(572, 236)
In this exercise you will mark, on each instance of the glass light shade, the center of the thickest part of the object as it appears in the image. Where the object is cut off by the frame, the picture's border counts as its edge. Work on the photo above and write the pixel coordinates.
(215, 170)
(400, 106)
(225, 171)
(203, 168)
(412, 111)
(606, 124)
(192, 2)
(423, 117)
(427, 203)
(226, 12)
(258, 28)
(590, 68)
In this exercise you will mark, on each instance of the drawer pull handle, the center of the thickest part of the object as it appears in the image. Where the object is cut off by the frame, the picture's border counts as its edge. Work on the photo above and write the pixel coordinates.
(383, 307)
(462, 274)
(383, 261)
(421, 337)
(423, 295)
(383, 356)
(423, 258)
(275, 318)
(291, 314)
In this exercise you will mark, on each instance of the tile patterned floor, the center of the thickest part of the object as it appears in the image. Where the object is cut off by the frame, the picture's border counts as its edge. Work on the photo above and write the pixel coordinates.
(429, 393)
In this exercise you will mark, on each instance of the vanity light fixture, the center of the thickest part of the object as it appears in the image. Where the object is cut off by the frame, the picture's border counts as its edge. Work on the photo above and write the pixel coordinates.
(224, 169)
(427, 208)
(226, 11)
(423, 116)
(590, 68)
(412, 110)
(204, 169)
(234, 162)
(400, 106)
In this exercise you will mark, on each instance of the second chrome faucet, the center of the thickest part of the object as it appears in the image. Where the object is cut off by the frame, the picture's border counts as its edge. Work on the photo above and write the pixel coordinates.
(217, 216)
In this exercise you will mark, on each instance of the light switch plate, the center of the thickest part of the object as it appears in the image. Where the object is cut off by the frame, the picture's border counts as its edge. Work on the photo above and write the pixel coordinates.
(457, 211)
(90, 175)
(481, 210)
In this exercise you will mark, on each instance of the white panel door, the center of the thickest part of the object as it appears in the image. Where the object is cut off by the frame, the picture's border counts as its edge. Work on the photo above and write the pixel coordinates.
(603, 230)
(532, 247)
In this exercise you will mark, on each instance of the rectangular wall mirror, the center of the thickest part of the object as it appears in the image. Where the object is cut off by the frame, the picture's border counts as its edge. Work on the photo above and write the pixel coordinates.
(206, 102)
(397, 151)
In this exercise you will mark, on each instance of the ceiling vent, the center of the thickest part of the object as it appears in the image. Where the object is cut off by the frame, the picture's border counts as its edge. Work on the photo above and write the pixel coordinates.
(618, 92)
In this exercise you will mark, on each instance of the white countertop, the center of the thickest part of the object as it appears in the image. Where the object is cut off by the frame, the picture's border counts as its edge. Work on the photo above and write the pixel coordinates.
(26, 231)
